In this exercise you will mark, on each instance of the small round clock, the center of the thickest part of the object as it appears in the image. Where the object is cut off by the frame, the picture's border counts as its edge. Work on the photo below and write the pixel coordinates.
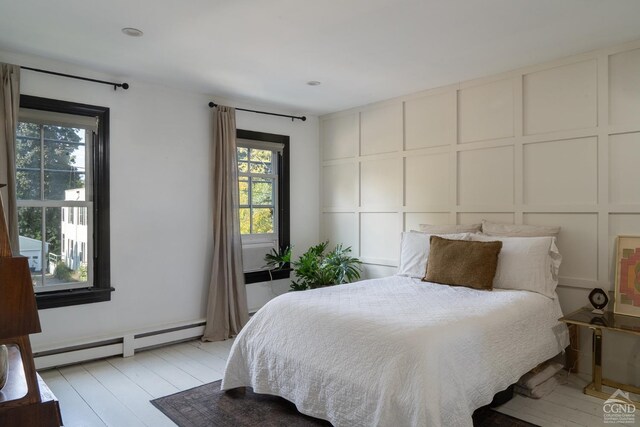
(598, 299)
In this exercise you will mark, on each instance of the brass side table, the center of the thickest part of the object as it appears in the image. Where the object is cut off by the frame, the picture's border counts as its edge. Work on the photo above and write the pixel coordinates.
(598, 322)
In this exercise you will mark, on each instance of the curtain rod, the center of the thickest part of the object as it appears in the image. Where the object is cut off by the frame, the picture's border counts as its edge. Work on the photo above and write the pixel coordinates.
(303, 118)
(124, 86)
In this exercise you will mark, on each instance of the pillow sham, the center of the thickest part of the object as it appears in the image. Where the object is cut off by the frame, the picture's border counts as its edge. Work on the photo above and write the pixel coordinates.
(450, 229)
(462, 263)
(526, 263)
(512, 230)
(414, 251)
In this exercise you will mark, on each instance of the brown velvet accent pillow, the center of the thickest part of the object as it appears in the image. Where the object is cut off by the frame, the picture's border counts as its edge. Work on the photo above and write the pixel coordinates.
(462, 263)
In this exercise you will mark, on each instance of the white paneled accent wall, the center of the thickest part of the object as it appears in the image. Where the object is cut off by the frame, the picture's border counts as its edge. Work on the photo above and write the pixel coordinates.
(552, 144)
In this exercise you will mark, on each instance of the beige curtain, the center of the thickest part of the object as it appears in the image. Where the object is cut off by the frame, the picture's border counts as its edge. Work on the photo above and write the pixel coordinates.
(9, 106)
(227, 310)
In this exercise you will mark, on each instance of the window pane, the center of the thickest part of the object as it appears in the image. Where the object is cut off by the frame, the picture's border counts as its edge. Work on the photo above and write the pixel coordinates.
(28, 163)
(68, 265)
(260, 155)
(243, 187)
(63, 156)
(261, 191)
(260, 161)
(262, 220)
(28, 129)
(63, 185)
(28, 184)
(243, 167)
(64, 134)
(243, 154)
(260, 168)
(245, 221)
(30, 240)
(28, 152)
(64, 162)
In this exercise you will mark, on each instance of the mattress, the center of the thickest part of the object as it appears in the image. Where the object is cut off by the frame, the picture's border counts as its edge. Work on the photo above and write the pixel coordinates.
(394, 351)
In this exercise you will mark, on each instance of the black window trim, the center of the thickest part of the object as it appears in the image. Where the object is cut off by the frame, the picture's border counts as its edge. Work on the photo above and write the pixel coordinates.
(101, 289)
(284, 230)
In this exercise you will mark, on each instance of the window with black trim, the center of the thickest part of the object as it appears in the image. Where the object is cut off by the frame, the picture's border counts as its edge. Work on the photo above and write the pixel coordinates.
(62, 188)
(263, 184)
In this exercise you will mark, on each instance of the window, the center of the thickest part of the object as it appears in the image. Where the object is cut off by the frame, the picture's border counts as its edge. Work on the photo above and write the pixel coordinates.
(62, 191)
(263, 184)
(258, 182)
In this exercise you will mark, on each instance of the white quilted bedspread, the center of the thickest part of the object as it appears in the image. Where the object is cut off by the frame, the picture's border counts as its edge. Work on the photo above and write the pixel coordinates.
(394, 351)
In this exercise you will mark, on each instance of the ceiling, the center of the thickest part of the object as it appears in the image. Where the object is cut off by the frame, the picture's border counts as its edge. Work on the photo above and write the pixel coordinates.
(264, 52)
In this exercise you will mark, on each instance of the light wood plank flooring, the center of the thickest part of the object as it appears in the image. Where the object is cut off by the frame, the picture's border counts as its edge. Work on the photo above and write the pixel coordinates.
(116, 391)
(566, 406)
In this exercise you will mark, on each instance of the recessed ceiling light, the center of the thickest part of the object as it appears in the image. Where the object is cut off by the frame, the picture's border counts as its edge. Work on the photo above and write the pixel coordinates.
(133, 32)
(313, 83)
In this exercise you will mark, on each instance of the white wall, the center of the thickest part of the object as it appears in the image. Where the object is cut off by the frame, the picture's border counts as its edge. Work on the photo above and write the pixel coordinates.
(552, 144)
(160, 201)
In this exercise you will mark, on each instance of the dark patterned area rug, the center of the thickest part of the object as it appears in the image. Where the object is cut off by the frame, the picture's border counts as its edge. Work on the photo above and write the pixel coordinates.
(207, 405)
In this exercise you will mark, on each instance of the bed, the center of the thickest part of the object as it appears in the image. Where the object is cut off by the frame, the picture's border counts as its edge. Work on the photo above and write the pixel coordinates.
(394, 351)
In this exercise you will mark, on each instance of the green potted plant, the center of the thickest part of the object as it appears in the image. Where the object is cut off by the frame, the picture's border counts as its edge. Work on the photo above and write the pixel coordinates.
(318, 268)
(278, 260)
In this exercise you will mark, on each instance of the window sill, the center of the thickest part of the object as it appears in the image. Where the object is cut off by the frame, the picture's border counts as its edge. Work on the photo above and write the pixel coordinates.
(72, 297)
(263, 276)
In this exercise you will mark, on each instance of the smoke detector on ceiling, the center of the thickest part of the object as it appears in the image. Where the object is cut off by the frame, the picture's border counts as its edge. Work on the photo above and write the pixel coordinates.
(133, 32)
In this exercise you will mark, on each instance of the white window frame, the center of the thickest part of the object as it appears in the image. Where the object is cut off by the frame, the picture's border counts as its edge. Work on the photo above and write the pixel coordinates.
(90, 126)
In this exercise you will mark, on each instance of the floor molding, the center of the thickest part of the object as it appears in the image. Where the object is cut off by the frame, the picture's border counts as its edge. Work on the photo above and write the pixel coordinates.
(125, 344)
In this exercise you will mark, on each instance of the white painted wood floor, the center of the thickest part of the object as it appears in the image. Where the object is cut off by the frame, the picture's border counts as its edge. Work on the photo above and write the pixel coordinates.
(116, 391)
(566, 406)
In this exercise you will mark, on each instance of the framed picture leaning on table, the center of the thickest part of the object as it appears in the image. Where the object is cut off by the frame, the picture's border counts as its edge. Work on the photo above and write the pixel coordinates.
(627, 285)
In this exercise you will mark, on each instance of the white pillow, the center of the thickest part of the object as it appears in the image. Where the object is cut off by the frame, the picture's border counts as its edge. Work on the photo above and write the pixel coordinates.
(526, 263)
(414, 252)
(513, 230)
(450, 229)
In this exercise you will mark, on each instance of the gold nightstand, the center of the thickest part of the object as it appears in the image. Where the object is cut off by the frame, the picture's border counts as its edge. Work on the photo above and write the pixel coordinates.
(598, 322)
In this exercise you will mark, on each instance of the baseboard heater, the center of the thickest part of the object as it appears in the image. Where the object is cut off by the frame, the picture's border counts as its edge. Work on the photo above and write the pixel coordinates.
(121, 345)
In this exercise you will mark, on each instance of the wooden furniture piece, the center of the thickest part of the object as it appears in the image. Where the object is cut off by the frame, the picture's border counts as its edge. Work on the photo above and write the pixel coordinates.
(597, 323)
(24, 400)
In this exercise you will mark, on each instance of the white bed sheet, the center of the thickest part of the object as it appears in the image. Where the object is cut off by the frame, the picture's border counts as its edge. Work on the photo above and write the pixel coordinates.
(394, 351)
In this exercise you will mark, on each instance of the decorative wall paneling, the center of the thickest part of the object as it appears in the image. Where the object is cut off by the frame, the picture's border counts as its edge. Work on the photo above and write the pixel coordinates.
(551, 144)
